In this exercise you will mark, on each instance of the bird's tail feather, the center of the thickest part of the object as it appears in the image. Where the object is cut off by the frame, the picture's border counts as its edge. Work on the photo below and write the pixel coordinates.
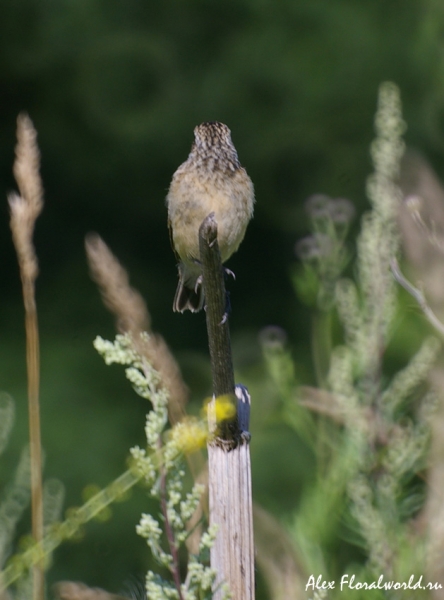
(188, 298)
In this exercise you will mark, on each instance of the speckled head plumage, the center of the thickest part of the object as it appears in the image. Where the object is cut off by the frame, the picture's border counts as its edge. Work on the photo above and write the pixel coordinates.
(212, 147)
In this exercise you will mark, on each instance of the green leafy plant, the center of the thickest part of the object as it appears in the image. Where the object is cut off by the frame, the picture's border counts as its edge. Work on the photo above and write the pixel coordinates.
(369, 431)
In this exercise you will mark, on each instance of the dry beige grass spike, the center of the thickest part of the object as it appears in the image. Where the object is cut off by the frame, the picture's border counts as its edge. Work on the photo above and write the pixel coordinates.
(133, 317)
(25, 208)
(27, 165)
(125, 303)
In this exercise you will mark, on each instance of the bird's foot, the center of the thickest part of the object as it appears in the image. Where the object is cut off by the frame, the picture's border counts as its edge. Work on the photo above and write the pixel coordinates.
(198, 283)
(227, 309)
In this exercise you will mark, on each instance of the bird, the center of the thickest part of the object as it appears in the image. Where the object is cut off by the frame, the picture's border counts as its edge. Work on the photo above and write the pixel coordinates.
(211, 180)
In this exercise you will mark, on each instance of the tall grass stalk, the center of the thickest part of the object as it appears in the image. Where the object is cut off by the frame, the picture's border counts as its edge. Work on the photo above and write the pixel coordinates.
(25, 209)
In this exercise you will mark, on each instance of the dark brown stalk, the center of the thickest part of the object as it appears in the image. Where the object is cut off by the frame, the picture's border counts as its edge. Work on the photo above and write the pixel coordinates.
(215, 298)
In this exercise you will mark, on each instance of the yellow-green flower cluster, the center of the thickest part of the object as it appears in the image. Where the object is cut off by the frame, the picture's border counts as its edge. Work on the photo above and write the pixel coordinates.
(189, 435)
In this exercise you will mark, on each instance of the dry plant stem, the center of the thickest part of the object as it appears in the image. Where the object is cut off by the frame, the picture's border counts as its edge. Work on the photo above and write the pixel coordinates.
(215, 295)
(417, 295)
(232, 555)
(33, 367)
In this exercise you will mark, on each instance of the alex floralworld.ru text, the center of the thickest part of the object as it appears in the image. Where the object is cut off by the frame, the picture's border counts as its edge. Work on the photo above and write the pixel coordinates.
(347, 581)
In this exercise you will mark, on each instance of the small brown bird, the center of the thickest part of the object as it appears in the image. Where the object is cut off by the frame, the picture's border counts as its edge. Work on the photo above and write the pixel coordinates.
(210, 180)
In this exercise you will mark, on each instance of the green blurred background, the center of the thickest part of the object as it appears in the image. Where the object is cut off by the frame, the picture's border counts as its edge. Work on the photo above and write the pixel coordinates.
(115, 89)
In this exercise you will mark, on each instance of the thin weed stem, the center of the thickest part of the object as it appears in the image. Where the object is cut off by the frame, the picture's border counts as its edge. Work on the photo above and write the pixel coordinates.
(33, 370)
(175, 567)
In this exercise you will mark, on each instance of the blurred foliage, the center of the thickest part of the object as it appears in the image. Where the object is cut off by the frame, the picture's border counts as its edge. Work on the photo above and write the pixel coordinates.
(114, 89)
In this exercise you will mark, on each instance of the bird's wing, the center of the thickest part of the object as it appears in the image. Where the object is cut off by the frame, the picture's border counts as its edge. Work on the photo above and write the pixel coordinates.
(170, 231)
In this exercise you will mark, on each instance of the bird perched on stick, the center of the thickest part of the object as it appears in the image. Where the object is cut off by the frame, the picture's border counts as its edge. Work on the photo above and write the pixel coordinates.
(210, 180)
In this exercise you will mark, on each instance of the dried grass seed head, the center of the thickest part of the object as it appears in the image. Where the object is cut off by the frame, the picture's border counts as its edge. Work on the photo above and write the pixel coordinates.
(118, 296)
(132, 315)
(26, 207)
(27, 165)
